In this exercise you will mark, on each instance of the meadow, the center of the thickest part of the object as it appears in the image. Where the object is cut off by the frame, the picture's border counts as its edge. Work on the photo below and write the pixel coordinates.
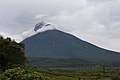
(82, 73)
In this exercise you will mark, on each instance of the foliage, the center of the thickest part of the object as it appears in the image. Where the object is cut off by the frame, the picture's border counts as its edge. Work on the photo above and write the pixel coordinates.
(115, 77)
(22, 74)
(81, 73)
(11, 53)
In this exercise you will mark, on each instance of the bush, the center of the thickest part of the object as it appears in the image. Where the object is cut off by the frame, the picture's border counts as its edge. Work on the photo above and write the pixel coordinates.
(115, 78)
(22, 74)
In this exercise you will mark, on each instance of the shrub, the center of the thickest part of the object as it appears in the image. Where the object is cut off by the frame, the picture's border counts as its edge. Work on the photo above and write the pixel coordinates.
(22, 74)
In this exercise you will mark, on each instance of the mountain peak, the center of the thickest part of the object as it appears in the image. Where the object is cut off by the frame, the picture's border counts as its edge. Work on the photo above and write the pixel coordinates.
(56, 44)
(42, 25)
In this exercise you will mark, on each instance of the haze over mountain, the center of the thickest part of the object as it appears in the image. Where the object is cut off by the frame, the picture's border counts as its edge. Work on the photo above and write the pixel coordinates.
(56, 44)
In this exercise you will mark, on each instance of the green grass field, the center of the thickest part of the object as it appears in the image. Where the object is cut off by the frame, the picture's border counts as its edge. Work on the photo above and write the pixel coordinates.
(81, 73)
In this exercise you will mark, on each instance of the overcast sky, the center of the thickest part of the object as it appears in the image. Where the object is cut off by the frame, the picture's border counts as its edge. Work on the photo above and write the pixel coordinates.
(95, 21)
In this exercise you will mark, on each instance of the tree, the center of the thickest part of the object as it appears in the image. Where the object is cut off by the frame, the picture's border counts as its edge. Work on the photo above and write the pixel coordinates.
(11, 53)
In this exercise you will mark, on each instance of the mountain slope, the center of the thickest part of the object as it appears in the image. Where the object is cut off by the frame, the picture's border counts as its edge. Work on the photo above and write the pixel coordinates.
(58, 44)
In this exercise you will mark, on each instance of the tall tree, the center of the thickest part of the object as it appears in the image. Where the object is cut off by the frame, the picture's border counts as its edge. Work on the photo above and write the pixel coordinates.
(11, 53)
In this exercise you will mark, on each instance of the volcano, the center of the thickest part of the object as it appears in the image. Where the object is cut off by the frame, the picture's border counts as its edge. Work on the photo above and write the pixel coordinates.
(55, 46)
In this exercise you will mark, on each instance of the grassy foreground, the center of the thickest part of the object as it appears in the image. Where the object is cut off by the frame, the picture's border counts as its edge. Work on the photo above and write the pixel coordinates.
(82, 73)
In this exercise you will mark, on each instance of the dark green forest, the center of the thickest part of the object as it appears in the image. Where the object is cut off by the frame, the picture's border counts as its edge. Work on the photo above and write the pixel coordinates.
(11, 53)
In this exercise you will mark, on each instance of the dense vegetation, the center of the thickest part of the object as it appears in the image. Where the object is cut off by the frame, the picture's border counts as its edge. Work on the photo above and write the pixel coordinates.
(81, 73)
(11, 59)
(11, 53)
(22, 74)
(64, 63)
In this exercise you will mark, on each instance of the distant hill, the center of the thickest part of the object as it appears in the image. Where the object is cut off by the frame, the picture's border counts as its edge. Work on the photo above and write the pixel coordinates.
(55, 44)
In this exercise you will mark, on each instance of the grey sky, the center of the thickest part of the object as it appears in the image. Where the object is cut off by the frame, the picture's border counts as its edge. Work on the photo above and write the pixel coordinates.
(96, 21)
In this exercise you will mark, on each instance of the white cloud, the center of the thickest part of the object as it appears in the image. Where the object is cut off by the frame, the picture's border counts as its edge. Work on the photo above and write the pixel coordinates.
(41, 16)
(21, 36)
(96, 21)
